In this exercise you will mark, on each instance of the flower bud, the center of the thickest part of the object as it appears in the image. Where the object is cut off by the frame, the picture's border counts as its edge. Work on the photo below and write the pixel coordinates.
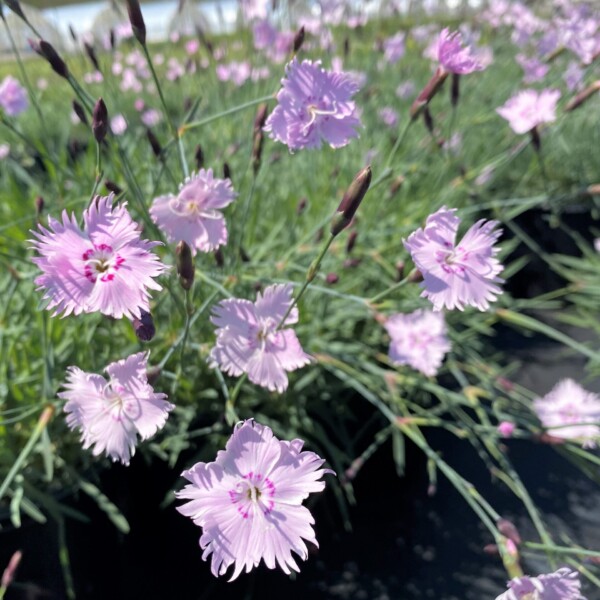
(415, 276)
(153, 373)
(400, 266)
(346, 46)
(137, 21)
(10, 571)
(91, 53)
(299, 39)
(332, 278)
(455, 89)
(39, 205)
(428, 119)
(352, 263)
(244, 255)
(257, 147)
(185, 265)
(111, 186)
(428, 92)
(536, 142)
(78, 110)
(351, 241)
(112, 39)
(100, 121)
(154, 143)
(199, 156)
(226, 171)
(47, 51)
(261, 117)
(219, 258)
(144, 327)
(301, 207)
(508, 530)
(351, 201)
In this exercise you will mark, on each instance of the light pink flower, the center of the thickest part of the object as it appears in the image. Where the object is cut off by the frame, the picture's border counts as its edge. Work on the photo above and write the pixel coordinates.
(456, 275)
(314, 105)
(418, 339)
(254, 9)
(111, 414)
(406, 90)
(151, 117)
(506, 428)
(389, 116)
(249, 501)
(453, 57)
(192, 46)
(237, 72)
(533, 68)
(249, 341)
(563, 584)
(193, 215)
(4, 151)
(528, 109)
(104, 267)
(118, 124)
(394, 47)
(13, 97)
(568, 411)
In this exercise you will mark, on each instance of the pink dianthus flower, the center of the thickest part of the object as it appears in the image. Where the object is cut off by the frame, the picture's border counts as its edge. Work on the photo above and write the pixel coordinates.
(249, 501)
(249, 341)
(528, 109)
(570, 412)
(314, 105)
(13, 97)
(193, 215)
(453, 57)
(104, 267)
(456, 275)
(111, 414)
(418, 339)
(563, 584)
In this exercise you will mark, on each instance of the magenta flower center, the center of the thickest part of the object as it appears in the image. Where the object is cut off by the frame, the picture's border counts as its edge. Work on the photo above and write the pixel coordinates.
(453, 259)
(101, 262)
(253, 493)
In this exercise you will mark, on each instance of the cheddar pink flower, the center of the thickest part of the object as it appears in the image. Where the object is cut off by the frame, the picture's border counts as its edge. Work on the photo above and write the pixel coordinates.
(456, 275)
(528, 109)
(418, 339)
(249, 341)
(249, 501)
(563, 584)
(111, 414)
(453, 57)
(569, 411)
(314, 105)
(194, 214)
(104, 267)
(13, 97)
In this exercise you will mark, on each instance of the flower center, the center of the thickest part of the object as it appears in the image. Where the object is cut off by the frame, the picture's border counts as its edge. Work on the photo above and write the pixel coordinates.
(315, 111)
(252, 493)
(192, 208)
(101, 263)
(452, 260)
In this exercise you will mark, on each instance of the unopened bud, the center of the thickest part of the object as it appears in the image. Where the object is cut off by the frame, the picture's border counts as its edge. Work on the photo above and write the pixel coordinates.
(154, 143)
(508, 529)
(352, 263)
(78, 110)
(257, 147)
(199, 156)
(332, 278)
(351, 241)
(47, 51)
(428, 92)
(536, 142)
(219, 258)
(111, 186)
(346, 46)
(580, 98)
(491, 549)
(400, 266)
(112, 39)
(10, 571)
(153, 373)
(185, 265)
(301, 207)
(91, 53)
(100, 121)
(39, 205)
(137, 21)
(415, 276)
(351, 201)
(455, 89)
(144, 327)
(226, 171)
(428, 120)
(261, 117)
(299, 39)
(244, 255)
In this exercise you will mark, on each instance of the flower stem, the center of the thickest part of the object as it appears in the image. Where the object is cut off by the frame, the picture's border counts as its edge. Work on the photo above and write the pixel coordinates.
(99, 172)
(387, 171)
(392, 289)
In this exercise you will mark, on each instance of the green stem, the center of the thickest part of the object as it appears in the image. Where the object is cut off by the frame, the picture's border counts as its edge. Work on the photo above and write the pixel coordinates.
(99, 172)
(392, 289)
(387, 171)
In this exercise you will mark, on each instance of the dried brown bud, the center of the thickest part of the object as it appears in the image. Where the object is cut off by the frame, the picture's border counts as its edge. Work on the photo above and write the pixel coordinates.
(351, 241)
(351, 201)
(580, 98)
(428, 92)
(400, 266)
(47, 51)
(185, 265)
(153, 373)
(154, 143)
(111, 186)
(219, 258)
(415, 276)
(428, 120)
(144, 327)
(299, 39)
(137, 21)
(261, 117)
(91, 53)
(536, 142)
(199, 156)
(39, 205)
(112, 39)
(78, 110)
(346, 46)
(301, 207)
(226, 171)
(332, 278)
(508, 529)
(244, 255)
(455, 89)
(257, 148)
(100, 121)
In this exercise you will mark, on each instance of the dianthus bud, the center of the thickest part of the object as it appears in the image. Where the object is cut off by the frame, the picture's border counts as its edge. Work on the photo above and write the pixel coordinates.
(10, 571)
(91, 53)
(257, 147)
(112, 39)
(185, 265)
(536, 142)
(301, 207)
(153, 373)
(39, 205)
(144, 327)
(455, 89)
(15, 6)
(219, 258)
(260, 118)
(47, 51)
(428, 120)
(332, 278)
(154, 143)
(100, 121)
(78, 110)
(352, 263)
(428, 92)
(226, 171)
(244, 255)
(415, 276)
(508, 530)
(580, 98)
(199, 156)
(351, 241)
(137, 21)
(111, 186)
(400, 266)
(346, 46)
(351, 201)
(299, 39)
